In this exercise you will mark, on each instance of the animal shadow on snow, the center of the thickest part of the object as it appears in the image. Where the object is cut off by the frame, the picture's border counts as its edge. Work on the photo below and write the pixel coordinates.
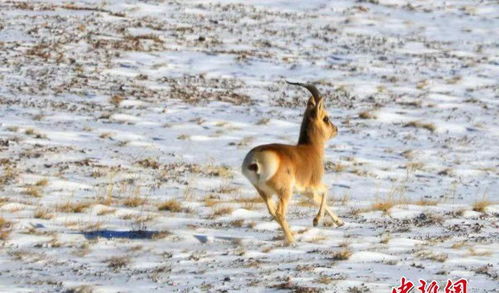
(109, 234)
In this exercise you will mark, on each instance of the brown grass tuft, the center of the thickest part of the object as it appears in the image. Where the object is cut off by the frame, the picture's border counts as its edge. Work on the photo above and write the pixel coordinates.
(263, 121)
(72, 207)
(33, 191)
(184, 137)
(426, 202)
(237, 223)
(418, 124)
(335, 167)
(479, 206)
(384, 206)
(42, 182)
(43, 214)
(220, 211)
(429, 255)
(226, 188)
(148, 163)
(117, 262)
(368, 115)
(116, 100)
(4, 229)
(343, 254)
(171, 205)
(134, 201)
(473, 252)
(105, 135)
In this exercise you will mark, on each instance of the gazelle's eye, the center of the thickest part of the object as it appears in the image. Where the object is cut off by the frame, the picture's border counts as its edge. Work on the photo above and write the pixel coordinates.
(326, 119)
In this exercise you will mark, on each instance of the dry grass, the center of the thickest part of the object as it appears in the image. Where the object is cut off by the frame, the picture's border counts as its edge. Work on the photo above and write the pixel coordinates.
(245, 141)
(255, 199)
(134, 201)
(225, 189)
(383, 206)
(211, 200)
(161, 235)
(117, 262)
(317, 239)
(306, 202)
(12, 128)
(218, 171)
(171, 205)
(42, 213)
(429, 255)
(148, 163)
(325, 280)
(343, 254)
(414, 166)
(4, 229)
(220, 211)
(473, 252)
(33, 191)
(385, 238)
(263, 121)
(116, 100)
(184, 137)
(72, 207)
(418, 124)
(247, 203)
(426, 202)
(9, 174)
(237, 223)
(335, 167)
(459, 245)
(422, 84)
(81, 289)
(105, 135)
(96, 174)
(42, 182)
(34, 133)
(390, 201)
(341, 200)
(106, 211)
(481, 205)
(368, 115)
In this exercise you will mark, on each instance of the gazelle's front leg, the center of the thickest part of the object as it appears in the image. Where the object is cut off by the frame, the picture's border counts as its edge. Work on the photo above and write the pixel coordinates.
(332, 214)
(323, 204)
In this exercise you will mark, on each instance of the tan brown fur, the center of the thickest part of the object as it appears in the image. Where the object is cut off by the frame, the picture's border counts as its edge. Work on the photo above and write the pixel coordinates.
(283, 169)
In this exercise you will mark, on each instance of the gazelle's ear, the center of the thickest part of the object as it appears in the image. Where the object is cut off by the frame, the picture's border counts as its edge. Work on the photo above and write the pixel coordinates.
(320, 104)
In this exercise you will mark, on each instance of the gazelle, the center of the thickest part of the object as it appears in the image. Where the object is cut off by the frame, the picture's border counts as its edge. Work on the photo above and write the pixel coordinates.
(283, 169)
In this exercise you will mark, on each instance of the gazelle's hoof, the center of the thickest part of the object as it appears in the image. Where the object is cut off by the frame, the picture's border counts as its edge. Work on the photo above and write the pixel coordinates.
(340, 223)
(315, 222)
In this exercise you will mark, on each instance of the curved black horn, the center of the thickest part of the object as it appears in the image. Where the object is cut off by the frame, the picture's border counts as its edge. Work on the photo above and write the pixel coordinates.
(310, 87)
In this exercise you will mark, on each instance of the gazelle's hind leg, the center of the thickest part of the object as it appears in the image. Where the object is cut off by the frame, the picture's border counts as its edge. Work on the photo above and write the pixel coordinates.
(267, 198)
(282, 209)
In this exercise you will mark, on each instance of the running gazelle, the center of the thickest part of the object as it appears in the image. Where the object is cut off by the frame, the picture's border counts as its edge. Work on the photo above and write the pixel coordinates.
(283, 169)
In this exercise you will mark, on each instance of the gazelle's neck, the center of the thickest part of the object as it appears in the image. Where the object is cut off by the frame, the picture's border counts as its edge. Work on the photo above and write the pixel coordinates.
(307, 137)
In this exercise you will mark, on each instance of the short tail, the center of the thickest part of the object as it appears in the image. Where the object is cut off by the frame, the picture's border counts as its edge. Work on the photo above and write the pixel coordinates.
(253, 167)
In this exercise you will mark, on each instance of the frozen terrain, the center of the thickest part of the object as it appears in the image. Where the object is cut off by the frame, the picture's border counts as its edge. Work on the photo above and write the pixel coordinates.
(123, 125)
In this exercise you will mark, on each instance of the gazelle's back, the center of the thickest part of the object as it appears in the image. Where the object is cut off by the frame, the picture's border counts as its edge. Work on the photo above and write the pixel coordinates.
(299, 165)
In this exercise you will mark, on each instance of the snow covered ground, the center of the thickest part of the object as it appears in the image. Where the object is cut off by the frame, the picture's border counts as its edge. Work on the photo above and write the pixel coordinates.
(123, 125)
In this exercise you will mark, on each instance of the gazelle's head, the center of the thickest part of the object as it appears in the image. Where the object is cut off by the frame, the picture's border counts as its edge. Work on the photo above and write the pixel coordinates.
(316, 127)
